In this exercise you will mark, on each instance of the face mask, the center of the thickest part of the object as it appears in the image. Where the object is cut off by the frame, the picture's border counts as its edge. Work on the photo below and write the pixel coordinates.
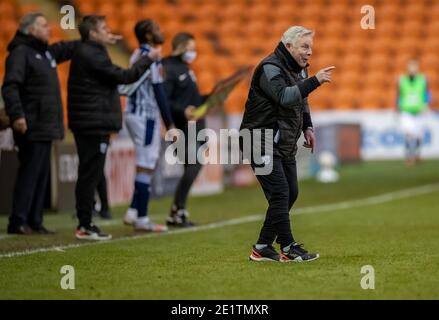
(189, 56)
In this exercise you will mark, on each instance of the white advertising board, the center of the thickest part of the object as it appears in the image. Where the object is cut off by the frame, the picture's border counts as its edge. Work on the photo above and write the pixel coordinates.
(382, 137)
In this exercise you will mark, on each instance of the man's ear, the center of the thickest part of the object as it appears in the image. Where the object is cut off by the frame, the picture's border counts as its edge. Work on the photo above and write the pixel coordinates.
(181, 49)
(92, 34)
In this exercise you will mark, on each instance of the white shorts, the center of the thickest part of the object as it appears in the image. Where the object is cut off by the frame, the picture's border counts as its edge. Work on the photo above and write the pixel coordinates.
(412, 125)
(145, 134)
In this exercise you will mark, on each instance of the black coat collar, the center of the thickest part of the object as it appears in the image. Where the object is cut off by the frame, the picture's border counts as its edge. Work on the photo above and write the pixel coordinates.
(286, 58)
(94, 44)
(28, 40)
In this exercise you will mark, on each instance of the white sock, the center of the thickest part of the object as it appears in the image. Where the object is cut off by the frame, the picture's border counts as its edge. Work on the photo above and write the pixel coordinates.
(287, 248)
(131, 214)
(142, 221)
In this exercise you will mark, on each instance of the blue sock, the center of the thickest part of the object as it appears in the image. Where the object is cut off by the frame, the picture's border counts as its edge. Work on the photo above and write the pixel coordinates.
(142, 186)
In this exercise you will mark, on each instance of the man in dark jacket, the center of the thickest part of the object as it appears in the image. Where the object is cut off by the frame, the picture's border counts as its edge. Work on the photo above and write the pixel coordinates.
(94, 111)
(33, 103)
(277, 102)
(184, 97)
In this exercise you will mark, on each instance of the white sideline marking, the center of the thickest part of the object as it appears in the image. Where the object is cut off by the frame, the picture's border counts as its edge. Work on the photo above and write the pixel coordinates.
(374, 200)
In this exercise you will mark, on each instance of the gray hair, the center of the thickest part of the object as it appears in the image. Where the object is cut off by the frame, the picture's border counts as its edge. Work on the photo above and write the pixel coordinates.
(28, 20)
(293, 34)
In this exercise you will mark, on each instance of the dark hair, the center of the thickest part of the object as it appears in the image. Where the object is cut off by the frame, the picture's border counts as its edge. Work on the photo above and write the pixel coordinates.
(28, 20)
(89, 23)
(142, 28)
(181, 38)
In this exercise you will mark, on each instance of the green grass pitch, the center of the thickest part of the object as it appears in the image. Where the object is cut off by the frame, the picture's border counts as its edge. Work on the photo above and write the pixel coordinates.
(398, 236)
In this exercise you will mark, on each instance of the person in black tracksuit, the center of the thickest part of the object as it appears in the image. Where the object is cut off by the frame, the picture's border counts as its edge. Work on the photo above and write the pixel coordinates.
(184, 98)
(278, 102)
(94, 111)
(102, 194)
(33, 103)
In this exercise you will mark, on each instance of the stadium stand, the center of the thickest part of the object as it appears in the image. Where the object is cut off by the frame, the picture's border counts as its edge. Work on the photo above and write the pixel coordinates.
(239, 32)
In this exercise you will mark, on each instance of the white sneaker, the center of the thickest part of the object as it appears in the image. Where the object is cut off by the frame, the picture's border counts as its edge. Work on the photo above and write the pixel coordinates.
(91, 233)
(149, 226)
(130, 217)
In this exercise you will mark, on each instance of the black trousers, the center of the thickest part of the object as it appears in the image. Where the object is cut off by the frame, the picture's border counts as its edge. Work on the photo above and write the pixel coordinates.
(102, 193)
(281, 190)
(184, 185)
(92, 150)
(190, 173)
(31, 182)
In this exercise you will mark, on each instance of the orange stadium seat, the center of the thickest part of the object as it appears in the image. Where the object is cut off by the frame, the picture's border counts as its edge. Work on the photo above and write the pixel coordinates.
(334, 29)
(379, 61)
(229, 28)
(232, 12)
(87, 8)
(388, 11)
(381, 45)
(109, 9)
(323, 100)
(327, 45)
(256, 27)
(233, 33)
(312, 11)
(128, 10)
(346, 99)
(371, 98)
(9, 27)
(336, 11)
(407, 45)
(354, 62)
(353, 45)
(416, 11)
(387, 28)
(432, 77)
(433, 12)
(432, 28)
(27, 8)
(7, 9)
(412, 28)
(377, 79)
(286, 13)
(348, 79)
(430, 61)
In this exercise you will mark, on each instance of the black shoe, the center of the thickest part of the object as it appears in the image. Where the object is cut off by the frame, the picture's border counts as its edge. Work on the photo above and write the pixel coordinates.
(105, 214)
(91, 232)
(266, 254)
(42, 230)
(95, 213)
(23, 229)
(297, 254)
(179, 218)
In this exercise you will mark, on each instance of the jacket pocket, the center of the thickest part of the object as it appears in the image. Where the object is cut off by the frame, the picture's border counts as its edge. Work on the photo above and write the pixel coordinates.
(32, 111)
(48, 110)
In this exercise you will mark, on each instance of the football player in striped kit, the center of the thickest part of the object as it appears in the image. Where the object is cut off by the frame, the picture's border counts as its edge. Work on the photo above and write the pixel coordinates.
(142, 120)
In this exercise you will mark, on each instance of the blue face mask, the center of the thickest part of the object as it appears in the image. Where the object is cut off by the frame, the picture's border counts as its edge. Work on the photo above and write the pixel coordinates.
(189, 56)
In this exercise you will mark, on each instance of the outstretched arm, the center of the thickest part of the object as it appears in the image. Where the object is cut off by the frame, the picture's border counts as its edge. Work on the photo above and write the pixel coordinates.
(63, 50)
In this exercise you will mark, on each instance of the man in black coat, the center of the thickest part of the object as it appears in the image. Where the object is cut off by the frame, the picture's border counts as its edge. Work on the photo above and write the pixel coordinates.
(278, 103)
(33, 103)
(94, 111)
